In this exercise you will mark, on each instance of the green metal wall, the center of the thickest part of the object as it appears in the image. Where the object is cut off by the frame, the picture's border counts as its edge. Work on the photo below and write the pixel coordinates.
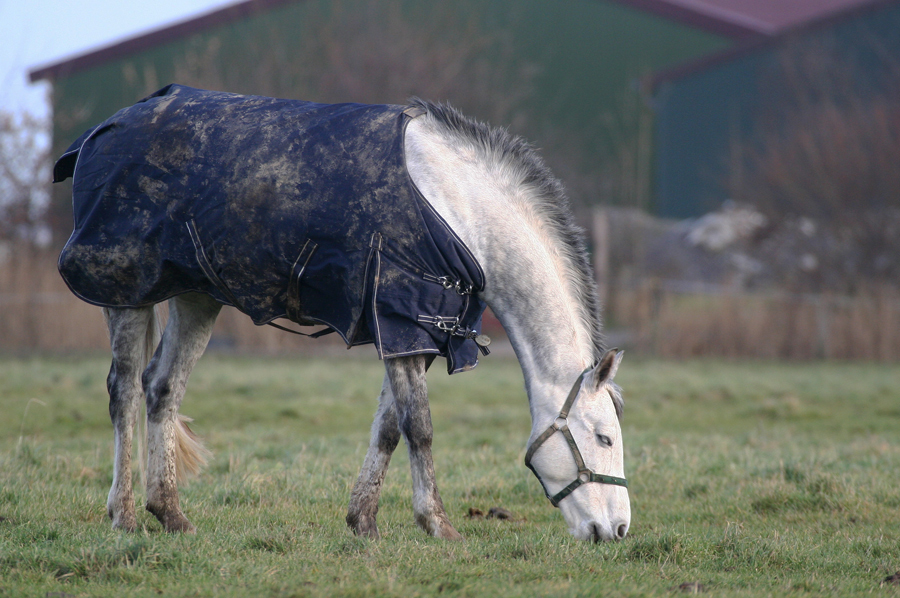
(591, 54)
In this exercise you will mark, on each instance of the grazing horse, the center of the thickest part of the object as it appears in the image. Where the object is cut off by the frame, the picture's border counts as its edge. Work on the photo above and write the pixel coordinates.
(392, 225)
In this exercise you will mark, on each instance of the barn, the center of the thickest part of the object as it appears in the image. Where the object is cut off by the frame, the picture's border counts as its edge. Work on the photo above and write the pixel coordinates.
(633, 102)
(812, 58)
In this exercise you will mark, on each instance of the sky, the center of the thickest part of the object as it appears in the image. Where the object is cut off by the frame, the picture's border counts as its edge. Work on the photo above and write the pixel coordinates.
(36, 33)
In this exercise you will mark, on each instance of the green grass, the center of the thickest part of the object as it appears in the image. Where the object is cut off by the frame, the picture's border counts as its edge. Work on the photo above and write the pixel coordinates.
(750, 479)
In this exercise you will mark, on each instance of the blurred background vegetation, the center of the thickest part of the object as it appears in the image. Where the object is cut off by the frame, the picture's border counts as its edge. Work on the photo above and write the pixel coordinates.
(739, 182)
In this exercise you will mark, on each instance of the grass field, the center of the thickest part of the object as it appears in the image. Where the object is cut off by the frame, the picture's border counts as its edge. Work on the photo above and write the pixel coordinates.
(746, 479)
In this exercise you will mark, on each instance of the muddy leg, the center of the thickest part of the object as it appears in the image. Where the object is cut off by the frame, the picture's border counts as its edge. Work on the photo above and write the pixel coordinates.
(128, 331)
(407, 378)
(191, 319)
(385, 435)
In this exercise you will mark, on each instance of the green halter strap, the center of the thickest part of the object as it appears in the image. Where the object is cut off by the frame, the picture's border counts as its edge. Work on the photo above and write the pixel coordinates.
(560, 424)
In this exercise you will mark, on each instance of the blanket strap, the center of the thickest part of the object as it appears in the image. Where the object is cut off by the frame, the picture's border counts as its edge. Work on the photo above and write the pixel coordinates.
(214, 278)
(452, 327)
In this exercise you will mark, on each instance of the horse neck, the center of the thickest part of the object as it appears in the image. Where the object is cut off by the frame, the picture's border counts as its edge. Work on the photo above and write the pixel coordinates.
(527, 280)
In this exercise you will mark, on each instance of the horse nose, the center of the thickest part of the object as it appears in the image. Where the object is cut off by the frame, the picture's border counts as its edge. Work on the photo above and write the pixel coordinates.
(597, 534)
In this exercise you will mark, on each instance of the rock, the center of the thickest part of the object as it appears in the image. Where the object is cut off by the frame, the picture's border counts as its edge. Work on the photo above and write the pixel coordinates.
(493, 513)
(500, 513)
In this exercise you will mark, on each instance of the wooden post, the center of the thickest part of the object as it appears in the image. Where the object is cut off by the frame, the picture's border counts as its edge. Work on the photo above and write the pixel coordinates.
(600, 234)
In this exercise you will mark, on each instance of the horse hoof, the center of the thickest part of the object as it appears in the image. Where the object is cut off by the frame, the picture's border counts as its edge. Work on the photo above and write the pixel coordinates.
(370, 533)
(172, 520)
(125, 523)
(449, 533)
(175, 523)
(364, 528)
(439, 527)
(179, 525)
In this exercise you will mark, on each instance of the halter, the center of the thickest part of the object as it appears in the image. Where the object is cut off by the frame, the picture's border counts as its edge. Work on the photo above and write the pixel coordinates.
(561, 424)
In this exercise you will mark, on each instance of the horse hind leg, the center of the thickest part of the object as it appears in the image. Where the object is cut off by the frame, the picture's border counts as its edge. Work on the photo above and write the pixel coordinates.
(407, 378)
(169, 442)
(363, 509)
(133, 334)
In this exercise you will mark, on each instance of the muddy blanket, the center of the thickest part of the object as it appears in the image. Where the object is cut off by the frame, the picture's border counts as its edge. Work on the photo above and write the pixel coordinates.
(283, 209)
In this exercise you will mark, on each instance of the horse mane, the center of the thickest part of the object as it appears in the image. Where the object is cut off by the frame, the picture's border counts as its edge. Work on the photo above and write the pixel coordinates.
(518, 157)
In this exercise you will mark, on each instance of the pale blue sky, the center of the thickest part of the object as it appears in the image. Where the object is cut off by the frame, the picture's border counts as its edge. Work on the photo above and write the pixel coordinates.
(35, 33)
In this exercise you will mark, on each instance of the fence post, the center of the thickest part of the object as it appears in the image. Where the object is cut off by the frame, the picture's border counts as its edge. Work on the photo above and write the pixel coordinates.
(600, 233)
(823, 326)
(656, 300)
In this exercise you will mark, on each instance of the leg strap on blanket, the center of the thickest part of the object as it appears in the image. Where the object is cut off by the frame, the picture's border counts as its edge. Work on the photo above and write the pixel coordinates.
(452, 327)
(214, 278)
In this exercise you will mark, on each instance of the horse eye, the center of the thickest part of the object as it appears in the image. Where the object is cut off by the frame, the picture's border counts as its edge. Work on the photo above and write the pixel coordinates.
(604, 439)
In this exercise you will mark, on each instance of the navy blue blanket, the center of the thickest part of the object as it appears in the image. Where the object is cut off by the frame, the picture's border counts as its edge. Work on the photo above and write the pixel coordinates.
(281, 208)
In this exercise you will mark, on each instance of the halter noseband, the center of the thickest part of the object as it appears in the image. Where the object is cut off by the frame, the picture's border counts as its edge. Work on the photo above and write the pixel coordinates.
(585, 475)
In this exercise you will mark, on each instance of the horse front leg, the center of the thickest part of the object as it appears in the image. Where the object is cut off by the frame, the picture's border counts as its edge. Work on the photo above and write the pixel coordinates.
(408, 385)
(191, 320)
(132, 336)
(363, 509)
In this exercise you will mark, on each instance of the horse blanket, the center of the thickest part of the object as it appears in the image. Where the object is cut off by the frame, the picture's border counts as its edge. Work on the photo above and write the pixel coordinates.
(280, 208)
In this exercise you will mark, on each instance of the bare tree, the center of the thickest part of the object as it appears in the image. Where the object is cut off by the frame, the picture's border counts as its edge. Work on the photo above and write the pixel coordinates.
(825, 167)
(24, 178)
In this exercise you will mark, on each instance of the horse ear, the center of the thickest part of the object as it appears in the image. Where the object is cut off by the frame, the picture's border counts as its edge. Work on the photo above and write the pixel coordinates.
(606, 369)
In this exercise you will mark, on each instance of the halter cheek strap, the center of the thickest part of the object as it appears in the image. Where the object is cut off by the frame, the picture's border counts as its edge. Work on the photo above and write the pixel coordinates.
(561, 424)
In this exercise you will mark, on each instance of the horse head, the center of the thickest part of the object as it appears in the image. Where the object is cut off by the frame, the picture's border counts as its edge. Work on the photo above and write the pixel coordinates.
(579, 457)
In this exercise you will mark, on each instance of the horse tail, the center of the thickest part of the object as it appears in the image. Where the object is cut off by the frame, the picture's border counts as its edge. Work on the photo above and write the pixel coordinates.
(190, 454)
(152, 336)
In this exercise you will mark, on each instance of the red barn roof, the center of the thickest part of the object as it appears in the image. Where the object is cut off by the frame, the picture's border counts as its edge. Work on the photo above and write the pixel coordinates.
(745, 18)
(830, 11)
